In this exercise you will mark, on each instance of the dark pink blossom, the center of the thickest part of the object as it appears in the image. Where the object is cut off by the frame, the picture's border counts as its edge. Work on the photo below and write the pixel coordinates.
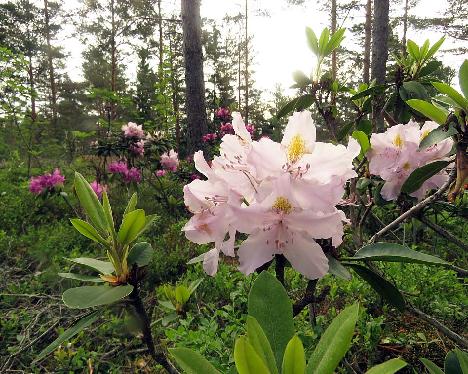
(46, 182)
(209, 137)
(160, 173)
(132, 175)
(118, 167)
(223, 113)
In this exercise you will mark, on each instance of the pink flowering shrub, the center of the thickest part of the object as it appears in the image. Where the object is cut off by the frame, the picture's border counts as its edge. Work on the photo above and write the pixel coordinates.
(170, 160)
(46, 183)
(138, 148)
(129, 175)
(98, 188)
(132, 130)
(223, 113)
(209, 137)
(160, 173)
(283, 195)
(395, 154)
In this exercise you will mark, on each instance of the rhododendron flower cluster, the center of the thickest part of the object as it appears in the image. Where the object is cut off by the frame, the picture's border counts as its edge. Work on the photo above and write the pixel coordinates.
(170, 161)
(283, 195)
(395, 154)
(223, 113)
(46, 183)
(98, 188)
(160, 173)
(129, 175)
(138, 148)
(209, 137)
(226, 128)
(132, 130)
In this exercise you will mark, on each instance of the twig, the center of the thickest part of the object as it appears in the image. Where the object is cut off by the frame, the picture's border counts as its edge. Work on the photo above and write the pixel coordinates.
(443, 232)
(415, 209)
(159, 357)
(441, 327)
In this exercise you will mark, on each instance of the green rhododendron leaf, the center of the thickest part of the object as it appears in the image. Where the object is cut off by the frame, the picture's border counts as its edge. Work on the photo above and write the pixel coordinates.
(192, 362)
(294, 361)
(103, 267)
(334, 342)
(132, 225)
(141, 254)
(246, 359)
(259, 341)
(89, 296)
(389, 367)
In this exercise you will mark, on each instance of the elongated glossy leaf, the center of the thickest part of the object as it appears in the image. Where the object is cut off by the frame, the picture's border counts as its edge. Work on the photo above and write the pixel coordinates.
(297, 104)
(451, 364)
(108, 213)
(337, 269)
(141, 254)
(294, 361)
(380, 285)
(85, 229)
(246, 359)
(133, 223)
(363, 141)
(429, 110)
(344, 130)
(431, 367)
(103, 267)
(452, 93)
(462, 360)
(334, 342)
(435, 47)
(393, 252)
(131, 204)
(429, 68)
(270, 305)
(68, 334)
(323, 41)
(463, 78)
(81, 277)
(301, 79)
(436, 136)
(422, 174)
(148, 222)
(413, 90)
(259, 341)
(312, 41)
(335, 41)
(388, 367)
(89, 296)
(413, 49)
(90, 203)
(192, 362)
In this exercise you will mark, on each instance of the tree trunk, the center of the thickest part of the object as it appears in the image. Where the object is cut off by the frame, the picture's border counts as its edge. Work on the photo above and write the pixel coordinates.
(113, 60)
(246, 67)
(333, 30)
(194, 79)
(379, 57)
(53, 88)
(405, 29)
(33, 112)
(175, 94)
(160, 26)
(367, 41)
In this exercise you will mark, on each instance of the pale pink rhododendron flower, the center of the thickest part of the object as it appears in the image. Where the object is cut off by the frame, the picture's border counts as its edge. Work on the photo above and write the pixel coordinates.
(132, 130)
(138, 148)
(98, 188)
(283, 195)
(170, 160)
(395, 154)
(160, 173)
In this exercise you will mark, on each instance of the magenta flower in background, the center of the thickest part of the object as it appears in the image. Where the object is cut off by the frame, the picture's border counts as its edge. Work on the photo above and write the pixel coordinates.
(132, 175)
(98, 188)
(226, 128)
(194, 176)
(117, 167)
(170, 161)
(160, 173)
(132, 130)
(209, 137)
(223, 113)
(46, 182)
(250, 128)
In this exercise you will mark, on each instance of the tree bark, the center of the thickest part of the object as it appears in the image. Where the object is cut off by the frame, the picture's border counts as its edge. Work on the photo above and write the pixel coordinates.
(113, 59)
(194, 79)
(379, 57)
(53, 88)
(33, 111)
(160, 27)
(405, 29)
(367, 41)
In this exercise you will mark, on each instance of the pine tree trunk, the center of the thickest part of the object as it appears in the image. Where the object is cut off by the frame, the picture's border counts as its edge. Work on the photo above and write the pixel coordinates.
(367, 41)
(160, 26)
(175, 94)
(53, 88)
(246, 67)
(33, 112)
(194, 79)
(379, 56)
(405, 29)
(113, 59)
